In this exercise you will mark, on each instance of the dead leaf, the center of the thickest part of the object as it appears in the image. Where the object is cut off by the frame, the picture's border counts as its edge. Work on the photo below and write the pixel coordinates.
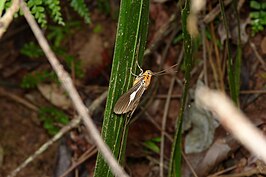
(55, 94)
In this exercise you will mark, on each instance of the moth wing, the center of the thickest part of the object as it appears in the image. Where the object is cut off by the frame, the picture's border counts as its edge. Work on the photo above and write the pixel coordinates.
(124, 104)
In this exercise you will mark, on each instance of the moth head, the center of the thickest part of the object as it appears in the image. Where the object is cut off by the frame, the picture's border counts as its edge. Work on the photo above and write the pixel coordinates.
(148, 73)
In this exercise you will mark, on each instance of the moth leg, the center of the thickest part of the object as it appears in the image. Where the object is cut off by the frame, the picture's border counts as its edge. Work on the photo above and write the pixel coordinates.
(128, 119)
(141, 70)
(133, 73)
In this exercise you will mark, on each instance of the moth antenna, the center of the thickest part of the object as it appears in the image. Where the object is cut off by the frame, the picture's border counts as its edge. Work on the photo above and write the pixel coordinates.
(163, 71)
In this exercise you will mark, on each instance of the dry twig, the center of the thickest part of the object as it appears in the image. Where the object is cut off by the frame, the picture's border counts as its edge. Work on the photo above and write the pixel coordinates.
(253, 47)
(214, 12)
(166, 109)
(18, 99)
(83, 158)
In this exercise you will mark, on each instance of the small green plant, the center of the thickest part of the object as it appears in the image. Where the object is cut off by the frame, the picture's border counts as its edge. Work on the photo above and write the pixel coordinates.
(258, 16)
(152, 144)
(31, 50)
(55, 10)
(53, 119)
(37, 9)
(56, 34)
(80, 7)
(98, 28)
(31, 80)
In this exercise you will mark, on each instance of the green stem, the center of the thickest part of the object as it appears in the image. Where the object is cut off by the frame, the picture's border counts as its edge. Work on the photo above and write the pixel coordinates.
(129, 48)
(175, 160)
(230, 63)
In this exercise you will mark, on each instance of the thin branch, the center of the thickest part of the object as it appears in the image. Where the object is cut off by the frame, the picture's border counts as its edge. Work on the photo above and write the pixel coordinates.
(253, 91)
(67, 83)
(213, 68)
(253, 47)
(166, 110)
(8, 17)
(223, 171)
(24, 102)
(174, 32)
(90, 152)
(215, 12)
(232, 119)
(205, 69)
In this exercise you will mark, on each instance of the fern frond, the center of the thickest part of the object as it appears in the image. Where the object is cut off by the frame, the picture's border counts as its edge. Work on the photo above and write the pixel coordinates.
(37, 9)
(54, 6)
(82, 10)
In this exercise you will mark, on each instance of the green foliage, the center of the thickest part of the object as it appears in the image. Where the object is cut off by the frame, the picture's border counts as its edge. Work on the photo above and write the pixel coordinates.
(178, 38)
(56, 34)
(208, 33)
(52, 118)
(258, 16)
(98, 28)
(82, 10)
(54, 6)
(2, 6)
(152, 144)
(31, 50)
(8, 4)
(175, 160)
(197, 42)
(31, 80)
(37, 9)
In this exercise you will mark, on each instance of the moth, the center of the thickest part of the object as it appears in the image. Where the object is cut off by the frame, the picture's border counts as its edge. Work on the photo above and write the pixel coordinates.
(129, 101)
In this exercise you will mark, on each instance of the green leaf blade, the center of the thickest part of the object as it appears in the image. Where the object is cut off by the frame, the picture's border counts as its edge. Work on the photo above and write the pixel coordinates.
(130, 44)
